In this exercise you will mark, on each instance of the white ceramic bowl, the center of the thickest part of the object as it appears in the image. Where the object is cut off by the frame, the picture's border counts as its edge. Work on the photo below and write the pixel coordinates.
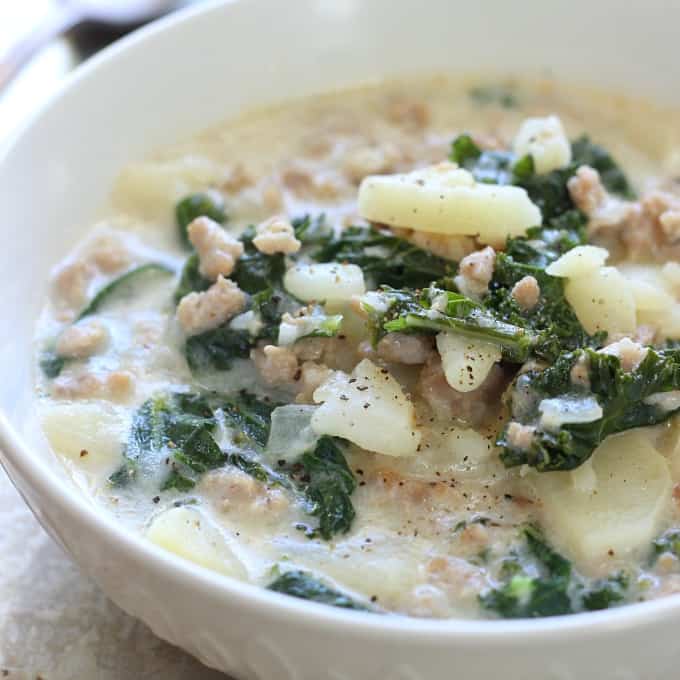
(173, 79)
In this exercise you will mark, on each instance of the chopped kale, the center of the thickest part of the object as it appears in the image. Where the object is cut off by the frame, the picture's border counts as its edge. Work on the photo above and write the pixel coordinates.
(545, 244)
(549, 191)
(328, 485)
(177, 426)
(263, 473)
(552, 320)
(623, 397)
(490, 167)
(495, 95)
(250, 417)
(538, 581)
(51, 363)
(605, 592)
(256, 271)
(307, 587)
(206, 204)
(121, 285)
(668, 542)
(541, 591)
(216, 349)
(384, 258)
(176, 480)
(434, 310)
(585, 152)
(321, 475)
(191, 280)
(312, 231)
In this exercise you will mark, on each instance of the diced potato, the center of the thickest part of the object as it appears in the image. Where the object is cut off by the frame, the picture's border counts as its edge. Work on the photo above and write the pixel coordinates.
(329, 281)
(546, 141)
(649, 297)
(387, 568)
(90, 433)
(370, 409)
(671, 275)
(466, 363)
(188, 533)
(602, 301)
(445, 199)
(620, 510)
(578, 262)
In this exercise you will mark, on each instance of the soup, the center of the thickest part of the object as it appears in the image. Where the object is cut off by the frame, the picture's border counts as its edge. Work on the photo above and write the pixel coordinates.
(410, 349)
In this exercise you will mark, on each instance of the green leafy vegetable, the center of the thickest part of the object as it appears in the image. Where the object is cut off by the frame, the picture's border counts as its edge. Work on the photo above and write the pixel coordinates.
(216, 349)
(490, 167)
(328, 486)
(51, 363)
(256, 271)
(434, 310)
(668, 542)
(312, 231)
(191, 280)
(384, 258)
(623, 397)
(206, 204)
(121, 285)
(322, 475)
(302, 585)
(496, 95)
(175, 425)
(250, 417)
(538, 581)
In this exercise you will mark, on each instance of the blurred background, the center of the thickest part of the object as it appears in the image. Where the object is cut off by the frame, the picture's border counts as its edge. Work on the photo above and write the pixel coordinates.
(93, 25)
(55, 624)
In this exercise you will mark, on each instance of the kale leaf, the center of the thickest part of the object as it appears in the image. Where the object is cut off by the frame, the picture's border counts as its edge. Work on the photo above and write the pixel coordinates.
(121, 285)
(216, 349)
(321, 475)
(497, 95)
(51, 363)
(328, 485)
(206, 204)
(552, 320)
(529, 593)
(306, 587)
(538, 581)
(384, 258)
(250, 418)
(191, 279)
(668, 542)
(623, 396)
(178, 426)
(434, 310)
(256, 271)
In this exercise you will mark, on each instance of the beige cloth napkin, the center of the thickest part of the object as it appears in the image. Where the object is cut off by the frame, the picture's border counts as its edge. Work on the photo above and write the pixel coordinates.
(57, 625)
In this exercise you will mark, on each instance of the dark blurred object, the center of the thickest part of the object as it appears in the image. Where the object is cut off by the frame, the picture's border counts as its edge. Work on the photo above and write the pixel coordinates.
(93, 24)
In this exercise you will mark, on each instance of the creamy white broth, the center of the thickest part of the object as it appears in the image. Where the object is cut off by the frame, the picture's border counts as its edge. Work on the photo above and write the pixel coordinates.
(430, 529)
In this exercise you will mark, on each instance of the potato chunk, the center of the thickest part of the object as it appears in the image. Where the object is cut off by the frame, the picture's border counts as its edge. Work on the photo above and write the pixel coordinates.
(545, 140)
(369, 408)
(91, 433)
(602, 301)
(445, 199)
(621, 506)
(578, 261)
(187, 533)
(466, 363)
(330, 282)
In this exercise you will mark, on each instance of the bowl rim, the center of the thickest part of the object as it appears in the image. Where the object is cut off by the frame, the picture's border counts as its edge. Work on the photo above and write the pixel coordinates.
(72, 502)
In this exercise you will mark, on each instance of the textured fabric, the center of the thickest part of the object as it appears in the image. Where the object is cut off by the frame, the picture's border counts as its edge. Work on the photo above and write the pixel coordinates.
(57, 625)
